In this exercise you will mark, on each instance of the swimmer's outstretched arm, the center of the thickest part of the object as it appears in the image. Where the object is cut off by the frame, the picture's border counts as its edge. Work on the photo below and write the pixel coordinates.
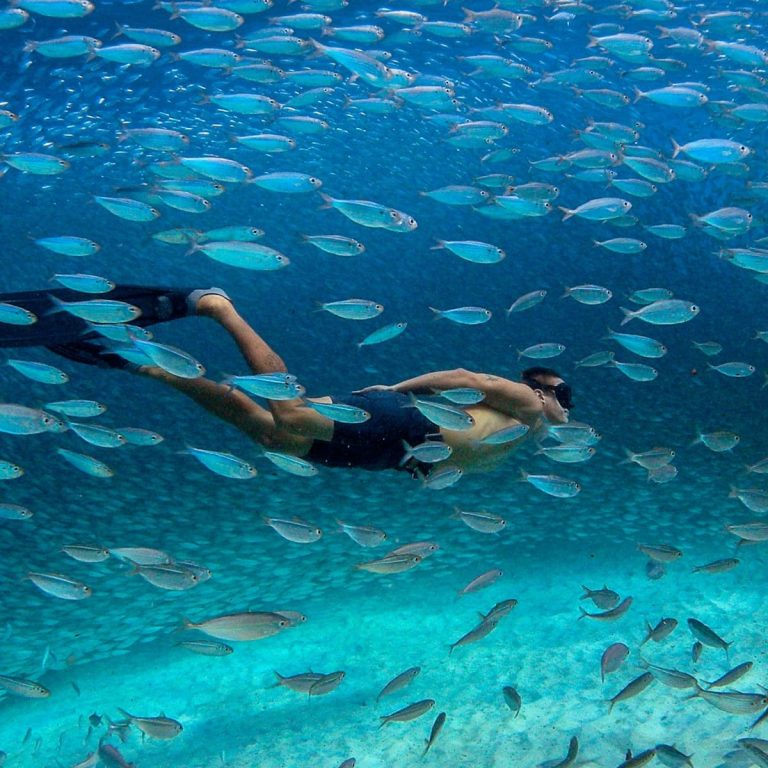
(503, 395)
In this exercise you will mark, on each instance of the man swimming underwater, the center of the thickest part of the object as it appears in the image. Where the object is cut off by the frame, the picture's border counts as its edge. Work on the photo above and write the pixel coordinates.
(389, 439)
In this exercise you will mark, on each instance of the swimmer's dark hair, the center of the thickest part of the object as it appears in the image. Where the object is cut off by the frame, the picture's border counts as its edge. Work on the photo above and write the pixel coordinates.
(533, 373)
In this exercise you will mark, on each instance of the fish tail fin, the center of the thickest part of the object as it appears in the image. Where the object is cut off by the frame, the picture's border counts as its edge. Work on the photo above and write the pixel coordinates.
(676, 148)
(185, 624)
(327, 201)
(124, 713)
(567, 212)
(587, 592)
(440, 245)
(58, 306)
(628, 315)
(638, 94)
(628, 454)
(408, 455)
(583, 614)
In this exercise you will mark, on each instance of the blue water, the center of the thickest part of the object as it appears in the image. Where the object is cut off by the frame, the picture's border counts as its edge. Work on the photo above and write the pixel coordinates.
(118, 648)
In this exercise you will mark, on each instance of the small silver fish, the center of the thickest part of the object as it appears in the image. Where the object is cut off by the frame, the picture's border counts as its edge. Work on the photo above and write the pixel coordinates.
(613, 657)
(411, 712)
(633, 688)
(609, 615)
(735, 702)
(246, 626)
(483, 629)
(672, 757)
(18, 686)
(481, 581)
(717, 566)
(570, 758)
(512, 699)
(661, 553)
(206, 647)
(87, 464)
(437, 726)
(155, 727)
(484, 522)
(168, 576)
(57, 585)
(660, 631)
(141, 555)
(500, 610)
(399, 682)
(392, 563)
(671, 677)
(326, 683)
(731, 676)
(603, 598)
(365, 536)
(296, 530)
(708, 636)
(86, 554)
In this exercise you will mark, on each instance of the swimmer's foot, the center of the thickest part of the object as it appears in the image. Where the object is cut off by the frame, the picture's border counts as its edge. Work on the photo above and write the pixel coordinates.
(208, 302)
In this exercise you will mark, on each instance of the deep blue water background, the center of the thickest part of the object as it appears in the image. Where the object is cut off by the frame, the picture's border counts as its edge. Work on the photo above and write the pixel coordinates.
(159, 498)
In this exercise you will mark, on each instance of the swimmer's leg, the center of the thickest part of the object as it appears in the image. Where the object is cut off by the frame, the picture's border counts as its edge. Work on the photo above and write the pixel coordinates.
(290, 415)
(234, 407)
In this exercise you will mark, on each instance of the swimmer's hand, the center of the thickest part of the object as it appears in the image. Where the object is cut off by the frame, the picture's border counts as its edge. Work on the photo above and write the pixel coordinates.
(374, 388)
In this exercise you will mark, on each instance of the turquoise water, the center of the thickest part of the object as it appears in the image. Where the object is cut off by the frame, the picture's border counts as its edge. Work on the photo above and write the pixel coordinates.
(118, 649)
